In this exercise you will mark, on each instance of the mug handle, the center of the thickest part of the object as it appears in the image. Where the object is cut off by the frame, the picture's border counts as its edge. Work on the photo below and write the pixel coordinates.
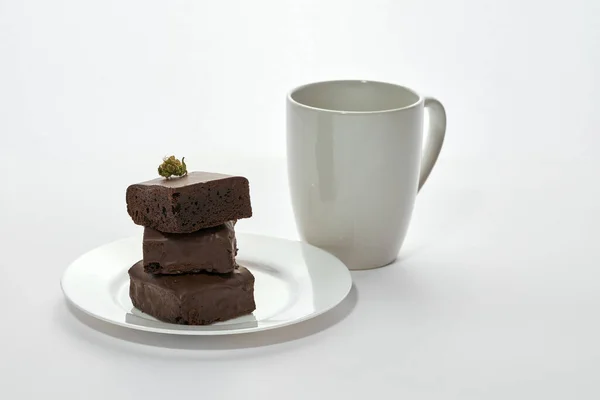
(435, 138)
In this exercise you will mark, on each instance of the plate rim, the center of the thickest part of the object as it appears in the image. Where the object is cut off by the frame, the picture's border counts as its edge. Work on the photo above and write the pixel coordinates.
(216, 332)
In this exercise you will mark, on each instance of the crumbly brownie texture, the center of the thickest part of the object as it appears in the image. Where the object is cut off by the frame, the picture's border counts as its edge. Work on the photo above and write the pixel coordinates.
(207, 250)
(192, 299)
(186, 204)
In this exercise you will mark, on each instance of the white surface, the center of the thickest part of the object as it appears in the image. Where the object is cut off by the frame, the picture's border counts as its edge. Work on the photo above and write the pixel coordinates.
(293, 282)
(354, 165)
(496, 294)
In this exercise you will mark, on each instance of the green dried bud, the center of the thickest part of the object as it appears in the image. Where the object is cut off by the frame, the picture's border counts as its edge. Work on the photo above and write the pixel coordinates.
(172, 166)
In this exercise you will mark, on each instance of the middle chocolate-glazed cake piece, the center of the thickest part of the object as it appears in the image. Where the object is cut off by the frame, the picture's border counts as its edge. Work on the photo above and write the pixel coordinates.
(211, 250)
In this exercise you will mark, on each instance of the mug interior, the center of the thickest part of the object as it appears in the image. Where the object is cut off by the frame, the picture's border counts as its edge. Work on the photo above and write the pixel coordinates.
(355, 96)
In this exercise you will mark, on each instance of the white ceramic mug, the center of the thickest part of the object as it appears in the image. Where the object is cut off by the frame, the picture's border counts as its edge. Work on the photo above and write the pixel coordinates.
(356, 163)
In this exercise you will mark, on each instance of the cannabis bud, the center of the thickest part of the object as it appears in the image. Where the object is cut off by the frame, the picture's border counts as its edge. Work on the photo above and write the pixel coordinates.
(172, 166)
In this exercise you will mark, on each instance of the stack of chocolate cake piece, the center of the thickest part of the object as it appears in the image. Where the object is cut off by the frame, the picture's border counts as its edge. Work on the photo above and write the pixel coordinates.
(189, 273)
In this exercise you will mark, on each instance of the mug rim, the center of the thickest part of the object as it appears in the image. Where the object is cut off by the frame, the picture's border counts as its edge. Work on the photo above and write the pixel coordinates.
(344, 112)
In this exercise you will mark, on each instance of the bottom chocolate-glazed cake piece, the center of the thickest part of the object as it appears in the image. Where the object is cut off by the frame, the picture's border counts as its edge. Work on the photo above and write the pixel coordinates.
(192, 299)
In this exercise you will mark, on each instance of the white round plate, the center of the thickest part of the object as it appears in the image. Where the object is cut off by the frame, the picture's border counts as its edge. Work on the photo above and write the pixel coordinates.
(294, 282)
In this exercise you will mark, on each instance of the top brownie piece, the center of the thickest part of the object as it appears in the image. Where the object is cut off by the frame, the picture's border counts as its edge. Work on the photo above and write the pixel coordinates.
(186, 204)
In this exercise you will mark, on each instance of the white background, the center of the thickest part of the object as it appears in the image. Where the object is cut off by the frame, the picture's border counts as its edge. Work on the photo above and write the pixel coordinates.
(497, 290)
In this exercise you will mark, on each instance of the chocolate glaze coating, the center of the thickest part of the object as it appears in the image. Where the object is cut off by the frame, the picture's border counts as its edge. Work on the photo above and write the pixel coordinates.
(186, 204)
(192, 299)
(210, 250)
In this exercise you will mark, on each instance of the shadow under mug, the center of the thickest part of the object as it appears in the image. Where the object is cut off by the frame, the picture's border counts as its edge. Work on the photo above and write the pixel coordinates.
(356, 163)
